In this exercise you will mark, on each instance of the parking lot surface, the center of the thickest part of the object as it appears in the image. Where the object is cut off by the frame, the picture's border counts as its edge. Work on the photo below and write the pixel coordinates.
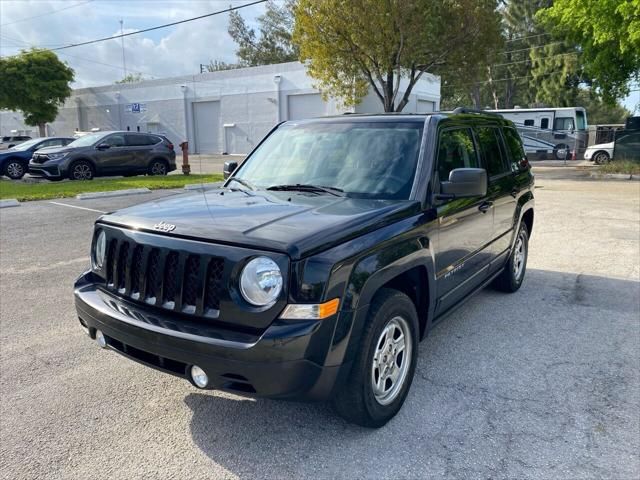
(543, 384)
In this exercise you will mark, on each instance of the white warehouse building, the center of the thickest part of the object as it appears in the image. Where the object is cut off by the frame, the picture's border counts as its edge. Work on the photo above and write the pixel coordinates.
(228, 111)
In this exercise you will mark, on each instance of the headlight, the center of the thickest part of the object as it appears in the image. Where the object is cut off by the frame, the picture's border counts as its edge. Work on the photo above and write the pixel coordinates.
(261, 281)
(56, 156)
(100, 250)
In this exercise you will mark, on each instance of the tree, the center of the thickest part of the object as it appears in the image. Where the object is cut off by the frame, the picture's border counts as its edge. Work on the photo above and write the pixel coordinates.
(607, 34)
(352, 45)
(131, 78)
(217, 66)
(274, 42)
(36, 83)
(600, 112)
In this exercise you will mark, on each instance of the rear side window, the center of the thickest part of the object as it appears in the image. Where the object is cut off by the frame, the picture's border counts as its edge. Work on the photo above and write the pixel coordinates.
(514, 146)
(528, 123)
(141, 140)
(456, 149)
(489, 140)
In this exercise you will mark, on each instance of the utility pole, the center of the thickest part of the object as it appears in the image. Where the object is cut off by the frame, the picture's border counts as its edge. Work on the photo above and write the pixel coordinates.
(124, 63)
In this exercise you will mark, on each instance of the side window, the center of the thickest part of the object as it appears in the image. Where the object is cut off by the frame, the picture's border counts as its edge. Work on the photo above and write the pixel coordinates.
(563, 123)
(489, 141)
(115, 140)
(528, 123)
(544, 123)
(455, 150)
(514, 147)
(152, 139)
(134, 140)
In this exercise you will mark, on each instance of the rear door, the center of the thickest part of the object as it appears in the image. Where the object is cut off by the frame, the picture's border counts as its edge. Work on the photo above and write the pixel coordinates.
(465, 225)
(140, 145)
(503, 189)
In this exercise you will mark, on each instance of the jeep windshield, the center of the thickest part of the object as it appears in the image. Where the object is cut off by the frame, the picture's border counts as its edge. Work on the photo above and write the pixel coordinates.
(355, 159)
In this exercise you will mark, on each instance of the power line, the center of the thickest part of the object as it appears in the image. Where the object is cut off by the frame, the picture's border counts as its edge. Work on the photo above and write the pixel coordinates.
(104, 39)
(529, 48)
(529, 36)
(47, 13)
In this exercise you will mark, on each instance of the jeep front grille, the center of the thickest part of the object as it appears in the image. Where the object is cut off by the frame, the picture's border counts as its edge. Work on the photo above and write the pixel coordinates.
(171, 279)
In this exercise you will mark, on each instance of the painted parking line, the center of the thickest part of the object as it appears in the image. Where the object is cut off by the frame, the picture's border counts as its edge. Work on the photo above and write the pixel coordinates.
(75, 206)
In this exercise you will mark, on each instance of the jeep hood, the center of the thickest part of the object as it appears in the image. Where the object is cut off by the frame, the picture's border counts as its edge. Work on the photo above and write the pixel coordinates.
(298, 224)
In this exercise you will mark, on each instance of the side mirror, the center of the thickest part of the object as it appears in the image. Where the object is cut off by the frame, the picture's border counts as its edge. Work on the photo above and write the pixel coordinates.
(228, 169)
(465, 182)
(103, 146)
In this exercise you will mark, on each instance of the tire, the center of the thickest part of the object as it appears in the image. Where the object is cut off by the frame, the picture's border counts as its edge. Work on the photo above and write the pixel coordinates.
(158, 167)
(601, 158)
(561, 151)
(81, 170)
(512, 276)
(15, 169)
(358, 400)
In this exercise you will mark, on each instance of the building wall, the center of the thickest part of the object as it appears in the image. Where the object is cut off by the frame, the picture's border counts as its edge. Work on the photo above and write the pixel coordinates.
(251, 101)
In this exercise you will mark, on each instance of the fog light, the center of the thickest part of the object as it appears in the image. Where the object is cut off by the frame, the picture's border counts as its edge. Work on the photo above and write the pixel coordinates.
(100, 339)
(199, 377)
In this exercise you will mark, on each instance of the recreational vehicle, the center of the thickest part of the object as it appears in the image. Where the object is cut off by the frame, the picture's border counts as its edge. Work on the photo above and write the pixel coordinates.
(556, 133)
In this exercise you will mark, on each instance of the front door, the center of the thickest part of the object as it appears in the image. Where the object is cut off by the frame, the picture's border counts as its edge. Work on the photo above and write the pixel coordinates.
(111, 160)
(465, 225)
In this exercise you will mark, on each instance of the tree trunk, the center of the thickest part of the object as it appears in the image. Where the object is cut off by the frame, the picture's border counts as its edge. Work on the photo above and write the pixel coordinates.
(42, 130)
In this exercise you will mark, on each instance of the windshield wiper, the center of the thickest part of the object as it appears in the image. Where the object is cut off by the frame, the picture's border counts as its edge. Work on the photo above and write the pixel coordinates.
(300, 187)
(246, 183)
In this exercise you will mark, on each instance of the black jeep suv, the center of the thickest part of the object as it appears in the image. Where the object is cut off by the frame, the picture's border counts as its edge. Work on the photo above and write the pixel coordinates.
(106, 153)
(321, 263)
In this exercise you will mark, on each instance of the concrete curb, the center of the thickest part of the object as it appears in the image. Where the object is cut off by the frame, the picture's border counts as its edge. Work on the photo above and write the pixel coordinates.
(10, 202)
(614, 176)
(113, 193)
(203, 186)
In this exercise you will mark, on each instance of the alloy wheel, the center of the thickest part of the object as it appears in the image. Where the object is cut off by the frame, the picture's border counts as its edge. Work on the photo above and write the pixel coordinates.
(158, 168)
(82, 171)
(519, 256)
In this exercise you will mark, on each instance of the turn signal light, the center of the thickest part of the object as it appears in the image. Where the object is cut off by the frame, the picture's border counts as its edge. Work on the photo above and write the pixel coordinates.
(316, 311)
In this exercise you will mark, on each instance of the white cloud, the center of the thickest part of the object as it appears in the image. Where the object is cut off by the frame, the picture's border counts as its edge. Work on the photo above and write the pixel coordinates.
(167, 52)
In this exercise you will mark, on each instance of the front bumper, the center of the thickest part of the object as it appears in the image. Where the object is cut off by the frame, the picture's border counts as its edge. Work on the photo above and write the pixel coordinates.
(45, 171)
(287, 360)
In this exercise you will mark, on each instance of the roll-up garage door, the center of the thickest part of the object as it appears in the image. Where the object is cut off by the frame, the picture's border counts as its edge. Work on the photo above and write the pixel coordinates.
(206, 116)
(307, 105)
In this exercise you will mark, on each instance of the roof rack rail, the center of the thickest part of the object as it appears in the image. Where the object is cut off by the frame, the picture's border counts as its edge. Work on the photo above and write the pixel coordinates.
(474, 110)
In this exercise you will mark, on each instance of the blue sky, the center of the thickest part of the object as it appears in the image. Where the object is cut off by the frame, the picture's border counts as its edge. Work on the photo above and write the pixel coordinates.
(167, 52)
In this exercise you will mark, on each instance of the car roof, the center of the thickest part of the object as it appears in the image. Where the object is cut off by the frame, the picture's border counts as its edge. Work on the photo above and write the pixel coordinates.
(466, 116)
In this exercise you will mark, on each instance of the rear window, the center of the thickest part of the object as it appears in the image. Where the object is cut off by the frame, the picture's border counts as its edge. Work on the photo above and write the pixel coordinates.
(514, 146)
(489, 139)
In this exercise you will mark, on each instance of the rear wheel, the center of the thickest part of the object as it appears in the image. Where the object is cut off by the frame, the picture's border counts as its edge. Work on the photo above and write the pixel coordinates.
(158, 167)
(385, 364)
(512, 276)
(81, 170)
(15, 169)
(561, 151)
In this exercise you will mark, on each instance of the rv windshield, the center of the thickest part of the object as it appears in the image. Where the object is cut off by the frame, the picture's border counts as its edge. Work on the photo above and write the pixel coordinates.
(581, 120)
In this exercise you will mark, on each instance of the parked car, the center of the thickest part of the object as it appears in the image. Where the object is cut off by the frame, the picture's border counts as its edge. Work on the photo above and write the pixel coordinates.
(14, 162)
(13, 140)
(626, 145)
(600, 153)
(335, 247)
(106, 153)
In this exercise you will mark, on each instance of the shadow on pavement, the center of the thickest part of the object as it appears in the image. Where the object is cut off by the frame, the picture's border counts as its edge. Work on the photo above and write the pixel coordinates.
(541, 383)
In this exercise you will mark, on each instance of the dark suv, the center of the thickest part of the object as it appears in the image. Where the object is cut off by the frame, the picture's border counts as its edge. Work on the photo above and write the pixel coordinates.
(323, 261)
(106, 153)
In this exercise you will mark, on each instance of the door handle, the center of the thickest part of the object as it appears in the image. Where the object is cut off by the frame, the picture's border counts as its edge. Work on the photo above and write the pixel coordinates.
(485, 206)
(514, 192)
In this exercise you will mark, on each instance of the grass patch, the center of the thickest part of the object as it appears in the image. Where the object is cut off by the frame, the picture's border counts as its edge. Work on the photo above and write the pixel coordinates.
(621, 166)
(43, 190)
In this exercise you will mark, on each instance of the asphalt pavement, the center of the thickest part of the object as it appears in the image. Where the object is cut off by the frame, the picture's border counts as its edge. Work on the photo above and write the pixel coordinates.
(542, 384)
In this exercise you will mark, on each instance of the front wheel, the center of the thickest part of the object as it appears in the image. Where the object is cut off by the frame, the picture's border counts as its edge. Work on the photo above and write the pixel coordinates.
(81, 170)
(15, 170)
(383, 369)
(512, 276)
(601, 158)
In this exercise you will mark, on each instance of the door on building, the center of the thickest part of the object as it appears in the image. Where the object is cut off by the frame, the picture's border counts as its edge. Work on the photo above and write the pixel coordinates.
(307, 105)
(425, 106)
(206, 119)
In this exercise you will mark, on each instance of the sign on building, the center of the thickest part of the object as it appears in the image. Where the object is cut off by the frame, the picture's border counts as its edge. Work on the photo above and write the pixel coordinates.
(136, 107)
